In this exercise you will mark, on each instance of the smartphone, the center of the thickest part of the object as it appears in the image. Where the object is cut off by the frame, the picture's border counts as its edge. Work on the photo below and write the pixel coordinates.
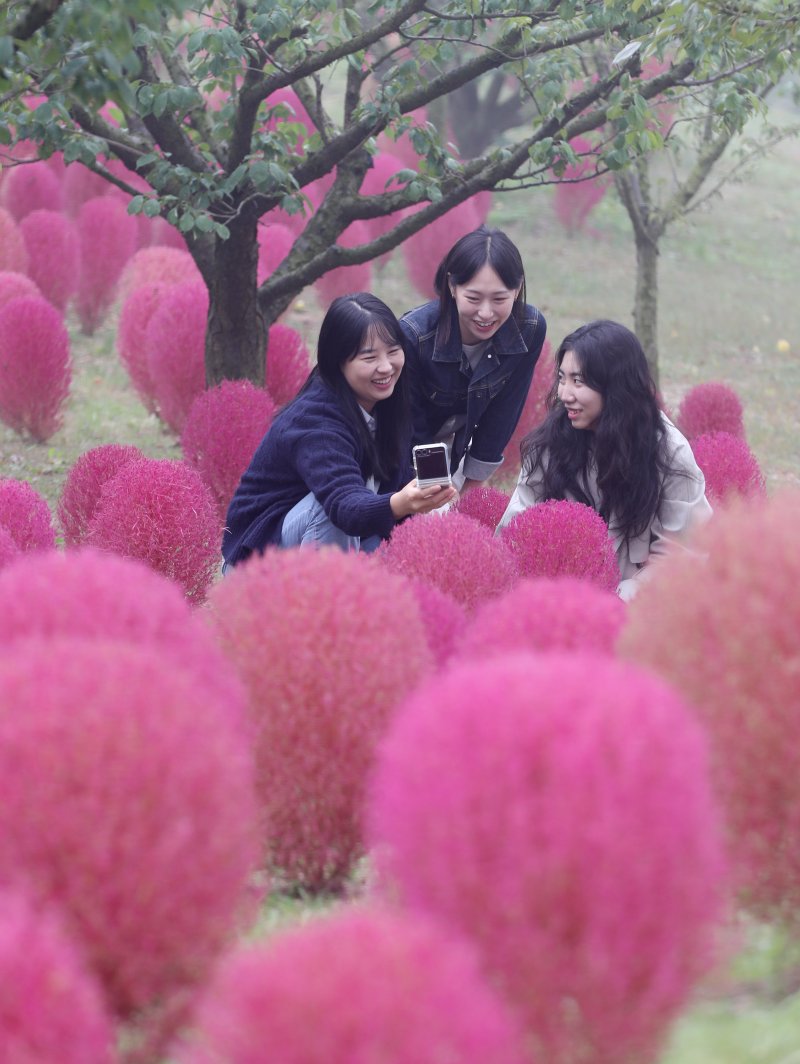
(432, 464)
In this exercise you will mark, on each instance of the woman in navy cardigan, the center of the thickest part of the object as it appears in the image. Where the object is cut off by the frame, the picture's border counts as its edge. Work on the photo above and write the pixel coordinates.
(335, 465)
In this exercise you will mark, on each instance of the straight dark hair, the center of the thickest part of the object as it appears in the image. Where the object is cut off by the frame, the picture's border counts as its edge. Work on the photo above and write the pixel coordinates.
(482, 247)
(349, 321)
(627, 442)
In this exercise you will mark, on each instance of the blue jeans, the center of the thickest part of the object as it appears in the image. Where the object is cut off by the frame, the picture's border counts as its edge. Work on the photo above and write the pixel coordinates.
(307, 525)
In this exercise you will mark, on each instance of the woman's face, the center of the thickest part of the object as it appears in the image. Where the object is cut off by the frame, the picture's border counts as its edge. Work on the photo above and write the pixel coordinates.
(373, 370)
(584, 405)
(483, 304)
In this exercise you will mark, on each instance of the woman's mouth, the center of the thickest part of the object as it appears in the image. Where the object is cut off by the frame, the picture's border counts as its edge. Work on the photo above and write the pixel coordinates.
(483, 324)
(383, 382)
(572, 414)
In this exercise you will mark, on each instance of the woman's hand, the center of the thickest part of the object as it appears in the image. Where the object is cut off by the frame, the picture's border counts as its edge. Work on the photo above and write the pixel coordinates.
(413, 500)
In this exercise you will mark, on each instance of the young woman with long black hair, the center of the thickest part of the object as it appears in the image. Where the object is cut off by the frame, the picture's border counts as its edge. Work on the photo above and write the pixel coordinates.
(335, 465)
(606, 443)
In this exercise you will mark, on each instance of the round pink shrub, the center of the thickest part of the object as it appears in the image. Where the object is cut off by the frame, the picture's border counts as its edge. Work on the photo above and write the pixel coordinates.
(710, 407)
(327, 644)
(107, 238)
(83, 484)
(175, 339)
(137, 310)
(295, 114)
(80, 184)
(343, 279)
(563, 538)
(128, 801)
(30, 187)
(224, 427)
(454, 553)
(534, 411)
(13, 253)
(544, 614)
(486, 505)
(35, 372)
(163, 234)
(722, 628)
(24, 513)
(50, 1005)
(14, 285)
(162, 264)
(380, 986)
(8, 546)
(729, 466)
(275, 241)
(424, 250)
(288, 363)
(378, 181)
(556, 809)
(53, 254)
(443, 617)
(577, 193)
(160, 512)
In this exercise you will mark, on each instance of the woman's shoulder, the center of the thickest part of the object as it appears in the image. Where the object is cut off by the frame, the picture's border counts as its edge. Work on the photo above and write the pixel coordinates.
(421, 320)
(316, 406)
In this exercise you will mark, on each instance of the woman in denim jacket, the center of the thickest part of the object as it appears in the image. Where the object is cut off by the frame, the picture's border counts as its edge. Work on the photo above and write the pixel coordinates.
(471, 353)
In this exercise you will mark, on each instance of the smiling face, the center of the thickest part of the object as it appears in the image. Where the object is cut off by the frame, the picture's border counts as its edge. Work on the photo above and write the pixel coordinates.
(373, 370)
(483, 304)
(584, 405)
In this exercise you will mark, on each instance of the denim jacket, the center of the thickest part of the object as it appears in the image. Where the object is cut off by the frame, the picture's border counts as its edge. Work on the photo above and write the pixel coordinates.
(492, 399)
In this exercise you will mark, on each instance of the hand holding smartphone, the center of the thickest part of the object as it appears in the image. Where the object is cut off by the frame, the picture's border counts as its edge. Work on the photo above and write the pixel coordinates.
(431, 464)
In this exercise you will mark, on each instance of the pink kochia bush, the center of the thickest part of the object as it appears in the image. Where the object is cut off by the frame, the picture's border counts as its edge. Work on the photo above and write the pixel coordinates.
(160, 512)
(729, 466)
(35, 371)
(327, 644)
(25, 515)
(53, 253)
(31, 187)
(563, 538)
(710, 407)
(107, 236)
(486, 505)
(455, 553)
(444, 618)
(557, 810)
(288, 363)
(535, 409)
(162, 265)
(83, 484)
(137, 310)
(13, 285)
(360, 987)
(8, 547)
(578, 192)
(544, 614)
(50, 1005)
(175, 344)
(223, 429)
(13, 253)
(723, 628)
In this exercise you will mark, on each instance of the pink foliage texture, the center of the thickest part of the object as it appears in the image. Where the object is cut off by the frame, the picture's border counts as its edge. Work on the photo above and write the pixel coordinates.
(175, 339)
(578, 193)
(486, 505)
(563, 538)
(288, 363)
(107, 237)
(128, 801)
(81, 184)
(224, 427)
(35, 372)
(137, 310)
(14, 285)
(443, 617)
(455, 553)
(326, 644)
(296, 114)
(377, 181)
(274, 244)
(535, 409)
(24, 513)
(50, 1005)
(710, 407)
(729, 466)
(8, 547)
(13, 253)
(83, 484)
(160, 512)
(52, 243)
(723, 629)
(380, 986)
(344, 279)
(31, 187)
(557, 810)
(425, 250)
(545, 614)
(164, 265)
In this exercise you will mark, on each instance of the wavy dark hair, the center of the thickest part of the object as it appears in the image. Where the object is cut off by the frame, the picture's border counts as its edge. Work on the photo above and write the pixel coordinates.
(626, 443)
(483, 246)
(348, 322)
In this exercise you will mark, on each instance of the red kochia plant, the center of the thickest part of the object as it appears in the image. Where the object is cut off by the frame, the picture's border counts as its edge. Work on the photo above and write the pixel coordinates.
(275, 241)
(25, 515)
(53, 253)
(175, 345)
(534, 410)
(453, 552)
(13, 285)
(710, 407)
(343, 279)
(288, 363)
(50, 1005)
(722, 627)
(137, 310)
(326, 644)
(107, 236)
(164, 265)
(577, 192)
(563, 538)
(486, 505)
(13, 253)
(31, 187)
(561, 613)
(380, 986)
(160, 512)
(8, 547)
(128, 801)
(223, 429)
(83, 484)
(570, 832)
(729, 466)
(425, 250)
(35, 371)
(443, 617)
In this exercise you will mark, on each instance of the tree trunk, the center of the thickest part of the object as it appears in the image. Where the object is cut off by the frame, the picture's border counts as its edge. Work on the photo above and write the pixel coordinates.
(236, 335)
(645, 309)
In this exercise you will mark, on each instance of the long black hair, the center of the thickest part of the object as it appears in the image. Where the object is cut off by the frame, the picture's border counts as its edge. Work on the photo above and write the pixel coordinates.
(349, 321)
(481, 247)
(625, 444)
